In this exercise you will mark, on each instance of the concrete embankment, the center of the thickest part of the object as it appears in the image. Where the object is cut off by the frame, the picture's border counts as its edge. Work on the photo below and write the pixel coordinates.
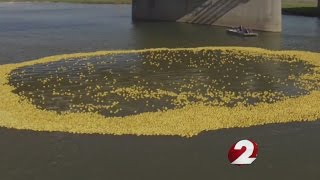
(256, 14)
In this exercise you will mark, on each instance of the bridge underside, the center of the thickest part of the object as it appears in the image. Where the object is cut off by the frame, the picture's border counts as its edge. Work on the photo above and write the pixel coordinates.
(256, 14)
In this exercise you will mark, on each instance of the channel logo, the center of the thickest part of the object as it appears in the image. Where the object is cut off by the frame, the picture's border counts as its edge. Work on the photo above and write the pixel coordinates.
(243, 152)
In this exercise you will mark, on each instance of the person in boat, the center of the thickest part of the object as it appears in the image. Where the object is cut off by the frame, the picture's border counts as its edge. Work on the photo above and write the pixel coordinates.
(240, 28)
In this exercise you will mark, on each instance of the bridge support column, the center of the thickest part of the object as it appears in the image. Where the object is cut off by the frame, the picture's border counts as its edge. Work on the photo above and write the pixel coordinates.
(256, 14)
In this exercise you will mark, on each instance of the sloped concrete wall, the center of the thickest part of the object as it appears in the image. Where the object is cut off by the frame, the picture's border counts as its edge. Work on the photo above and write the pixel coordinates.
(255, 14)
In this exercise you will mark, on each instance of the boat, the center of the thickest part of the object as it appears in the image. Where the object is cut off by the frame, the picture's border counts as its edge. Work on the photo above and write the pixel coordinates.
(245, 32)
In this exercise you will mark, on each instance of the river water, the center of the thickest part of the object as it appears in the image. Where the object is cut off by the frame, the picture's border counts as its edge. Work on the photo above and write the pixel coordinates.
(33, 30)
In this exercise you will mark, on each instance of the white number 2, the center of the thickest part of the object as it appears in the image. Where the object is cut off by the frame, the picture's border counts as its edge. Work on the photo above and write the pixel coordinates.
(244, 158)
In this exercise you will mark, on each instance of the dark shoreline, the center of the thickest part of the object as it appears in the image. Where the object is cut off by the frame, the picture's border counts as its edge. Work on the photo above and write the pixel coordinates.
(302, 11)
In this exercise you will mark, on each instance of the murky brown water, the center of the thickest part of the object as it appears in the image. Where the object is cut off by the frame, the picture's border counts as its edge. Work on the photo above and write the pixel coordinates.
(28, 31)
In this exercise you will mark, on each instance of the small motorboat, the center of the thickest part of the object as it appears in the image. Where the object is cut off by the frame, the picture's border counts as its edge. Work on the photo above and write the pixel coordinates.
(242, 32)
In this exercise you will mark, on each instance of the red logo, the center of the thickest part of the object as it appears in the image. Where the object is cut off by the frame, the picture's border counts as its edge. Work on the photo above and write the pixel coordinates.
(243, 152)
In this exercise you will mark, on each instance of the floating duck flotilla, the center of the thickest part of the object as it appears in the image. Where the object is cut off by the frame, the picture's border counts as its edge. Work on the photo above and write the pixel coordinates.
(91, 92)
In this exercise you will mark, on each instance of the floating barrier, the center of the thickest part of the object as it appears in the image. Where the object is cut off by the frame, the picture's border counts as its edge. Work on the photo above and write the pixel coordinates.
(184, 107)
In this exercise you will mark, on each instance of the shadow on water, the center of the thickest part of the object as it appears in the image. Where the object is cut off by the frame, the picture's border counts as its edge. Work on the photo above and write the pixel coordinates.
(152, 34)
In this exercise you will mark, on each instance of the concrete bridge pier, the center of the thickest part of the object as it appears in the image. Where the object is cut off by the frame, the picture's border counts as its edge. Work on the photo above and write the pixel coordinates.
(256, 14)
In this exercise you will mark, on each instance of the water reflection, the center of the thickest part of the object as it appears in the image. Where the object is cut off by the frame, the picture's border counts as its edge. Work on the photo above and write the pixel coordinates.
(151, 34)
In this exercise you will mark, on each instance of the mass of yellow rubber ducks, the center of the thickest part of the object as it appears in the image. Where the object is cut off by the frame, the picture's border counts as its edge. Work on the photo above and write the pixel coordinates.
(163, 91)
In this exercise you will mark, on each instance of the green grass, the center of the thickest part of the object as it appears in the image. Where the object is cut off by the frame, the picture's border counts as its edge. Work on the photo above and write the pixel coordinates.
(289, 4)
(300, 8)
(76, 1)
